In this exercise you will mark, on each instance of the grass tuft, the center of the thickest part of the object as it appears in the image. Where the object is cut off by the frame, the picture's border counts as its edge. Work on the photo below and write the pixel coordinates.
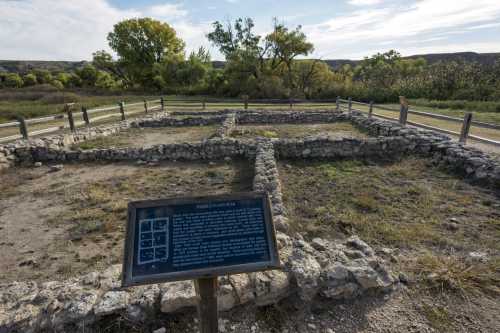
(453, 273)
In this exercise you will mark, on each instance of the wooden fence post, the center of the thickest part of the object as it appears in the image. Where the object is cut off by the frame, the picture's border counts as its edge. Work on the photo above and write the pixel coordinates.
(403, 113)
(162, 103)
(465, 128)
(71, 121)
(122, 109)
(23, 128)
(245, 101)
(370, 110)
(337, 104)
(350, 104)
(145, 106)
(203, 104)
(206, 288)
(290, 102)
(85, 116)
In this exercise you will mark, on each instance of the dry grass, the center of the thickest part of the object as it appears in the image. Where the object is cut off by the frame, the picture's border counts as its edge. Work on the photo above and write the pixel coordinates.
(287, 131)
(438, 317)
(407, 205)
(457, 274)
(148, 137)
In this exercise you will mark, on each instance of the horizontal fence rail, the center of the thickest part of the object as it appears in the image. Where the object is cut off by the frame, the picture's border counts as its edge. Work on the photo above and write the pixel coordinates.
(404, 110)
(66, 120)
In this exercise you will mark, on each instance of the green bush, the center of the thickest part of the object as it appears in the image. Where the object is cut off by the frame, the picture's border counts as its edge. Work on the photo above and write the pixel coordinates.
(13, 80)
(29, 80)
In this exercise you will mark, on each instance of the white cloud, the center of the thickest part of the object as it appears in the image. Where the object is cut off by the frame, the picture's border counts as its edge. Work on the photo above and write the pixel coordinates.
(72, 30)
(167, 11)
(364, 2)
(422, 19)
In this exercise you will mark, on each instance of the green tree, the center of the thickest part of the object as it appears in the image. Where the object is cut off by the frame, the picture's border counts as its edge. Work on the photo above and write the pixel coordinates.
(103, 61)
(379, 70)
(74, 81)
(286, 45)
(105, 80)
(43, 76)
(312, 77)
(63, 78)
(13, 80)
(29, 80)
(194, 70)
(88, 74)
(244, 51)
(58, 84)
(140, 44)
(252, 59)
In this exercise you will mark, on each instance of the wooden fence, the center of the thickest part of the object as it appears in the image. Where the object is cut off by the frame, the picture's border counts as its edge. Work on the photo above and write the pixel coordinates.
(69, 119)
(404, 111)
(72, 118)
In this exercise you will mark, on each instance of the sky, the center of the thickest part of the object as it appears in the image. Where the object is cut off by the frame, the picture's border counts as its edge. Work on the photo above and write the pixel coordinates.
(339, 29)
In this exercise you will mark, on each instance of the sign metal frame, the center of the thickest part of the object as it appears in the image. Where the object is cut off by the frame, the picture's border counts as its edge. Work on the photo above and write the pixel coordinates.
(210, 272)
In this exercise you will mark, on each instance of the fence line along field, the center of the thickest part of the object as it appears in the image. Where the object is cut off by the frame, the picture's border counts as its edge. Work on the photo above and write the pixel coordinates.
(71, 118)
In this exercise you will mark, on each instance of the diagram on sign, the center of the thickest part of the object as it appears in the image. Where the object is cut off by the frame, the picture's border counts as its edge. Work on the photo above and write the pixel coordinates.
(153, 240)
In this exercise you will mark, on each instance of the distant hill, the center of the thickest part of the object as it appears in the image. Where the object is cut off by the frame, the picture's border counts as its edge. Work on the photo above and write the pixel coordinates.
(25, 66)
(483, 58)
(21, 66)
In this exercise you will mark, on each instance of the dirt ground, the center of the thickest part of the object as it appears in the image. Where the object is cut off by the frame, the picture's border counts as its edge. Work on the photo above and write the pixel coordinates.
(146, 137)
(287, 131)
(57, 225)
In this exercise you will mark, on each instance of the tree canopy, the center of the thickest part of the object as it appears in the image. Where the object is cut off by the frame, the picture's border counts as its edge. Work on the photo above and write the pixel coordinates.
(140, 44)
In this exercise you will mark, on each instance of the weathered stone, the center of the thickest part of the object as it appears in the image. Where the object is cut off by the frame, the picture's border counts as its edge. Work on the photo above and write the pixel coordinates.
(111, 302)
(270, 287)
(319, 244)
(306, 271)
(358, 244)
(226, 295)
(178, 295)
(56, 168)
(243, 288)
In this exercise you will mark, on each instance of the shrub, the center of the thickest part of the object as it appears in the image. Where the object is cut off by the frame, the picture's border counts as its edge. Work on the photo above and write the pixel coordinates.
(13, 80)
(29, 80)
(57, 84)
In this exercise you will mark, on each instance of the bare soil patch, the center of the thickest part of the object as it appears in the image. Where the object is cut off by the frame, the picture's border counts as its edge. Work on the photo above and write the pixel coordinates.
(146, 137)
(57, 225)
(289, 131)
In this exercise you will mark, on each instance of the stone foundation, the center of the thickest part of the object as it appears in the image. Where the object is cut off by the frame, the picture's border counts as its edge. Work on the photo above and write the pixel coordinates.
(391, 139)
(317, 269)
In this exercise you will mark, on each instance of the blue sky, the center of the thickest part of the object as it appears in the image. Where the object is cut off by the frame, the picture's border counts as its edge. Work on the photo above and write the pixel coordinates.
(73, 29)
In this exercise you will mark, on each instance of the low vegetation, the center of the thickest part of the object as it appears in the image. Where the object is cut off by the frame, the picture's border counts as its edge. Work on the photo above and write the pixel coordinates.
(147, 137)
(433, 219)
(287, 131)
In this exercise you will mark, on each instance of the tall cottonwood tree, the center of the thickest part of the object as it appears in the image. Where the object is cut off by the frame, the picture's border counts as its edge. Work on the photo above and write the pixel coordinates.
(140, 44)
(251, 58)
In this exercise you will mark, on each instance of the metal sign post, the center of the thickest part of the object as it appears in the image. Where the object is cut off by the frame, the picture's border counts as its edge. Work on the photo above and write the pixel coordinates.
(199, 238)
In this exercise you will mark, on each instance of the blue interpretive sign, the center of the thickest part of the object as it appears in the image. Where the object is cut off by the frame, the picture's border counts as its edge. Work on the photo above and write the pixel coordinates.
(189, 238)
